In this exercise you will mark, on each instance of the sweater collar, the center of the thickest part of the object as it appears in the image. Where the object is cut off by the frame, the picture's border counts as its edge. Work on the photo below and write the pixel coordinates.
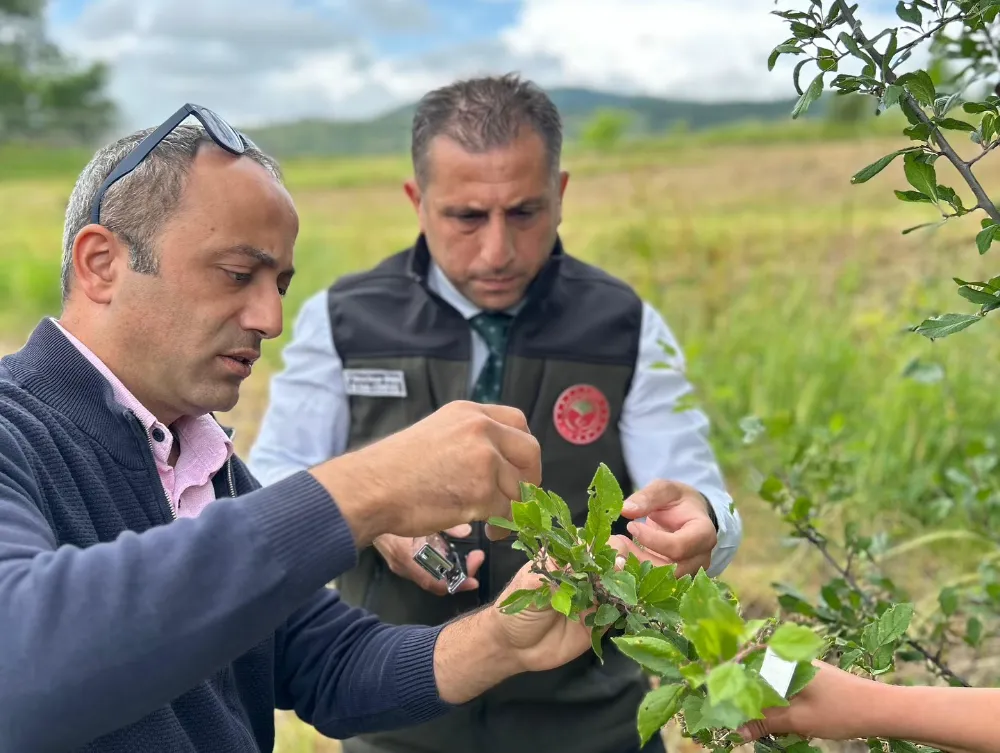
(52, 369)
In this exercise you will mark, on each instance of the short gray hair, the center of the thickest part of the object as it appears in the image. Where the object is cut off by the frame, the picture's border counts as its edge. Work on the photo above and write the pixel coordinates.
(136, 207)
(483, 114)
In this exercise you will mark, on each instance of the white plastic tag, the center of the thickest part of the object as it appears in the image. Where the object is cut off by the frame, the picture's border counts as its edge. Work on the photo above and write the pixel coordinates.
(777, 672)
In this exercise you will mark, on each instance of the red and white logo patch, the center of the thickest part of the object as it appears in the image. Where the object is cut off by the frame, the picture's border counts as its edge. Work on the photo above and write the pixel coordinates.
(581, 414)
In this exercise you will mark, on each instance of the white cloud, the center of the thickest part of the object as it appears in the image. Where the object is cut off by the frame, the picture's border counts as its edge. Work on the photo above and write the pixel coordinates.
(692, 49)
(286, 59)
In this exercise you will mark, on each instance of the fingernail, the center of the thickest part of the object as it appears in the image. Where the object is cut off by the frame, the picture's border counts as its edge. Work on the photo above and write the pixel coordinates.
(630, 507)
(633, 528)
(619, 562)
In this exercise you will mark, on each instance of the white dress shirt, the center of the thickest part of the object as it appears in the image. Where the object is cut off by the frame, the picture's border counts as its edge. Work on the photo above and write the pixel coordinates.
(307, 418)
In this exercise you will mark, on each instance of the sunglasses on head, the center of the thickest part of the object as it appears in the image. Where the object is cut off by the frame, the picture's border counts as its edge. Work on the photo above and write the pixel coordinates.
(218, 129)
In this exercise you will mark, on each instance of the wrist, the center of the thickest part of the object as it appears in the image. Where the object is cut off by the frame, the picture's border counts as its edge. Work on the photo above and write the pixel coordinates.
(473, 655)
(355, 492)
(710, 509)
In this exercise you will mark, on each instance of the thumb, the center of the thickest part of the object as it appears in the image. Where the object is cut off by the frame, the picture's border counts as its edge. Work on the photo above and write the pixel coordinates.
(753, 730)
(656, 496)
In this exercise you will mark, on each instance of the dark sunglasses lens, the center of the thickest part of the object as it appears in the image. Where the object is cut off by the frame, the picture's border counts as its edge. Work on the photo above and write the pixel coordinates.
(221, 130)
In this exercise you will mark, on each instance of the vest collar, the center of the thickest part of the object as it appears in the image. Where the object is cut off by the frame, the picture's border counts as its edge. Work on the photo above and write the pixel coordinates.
(419, 263)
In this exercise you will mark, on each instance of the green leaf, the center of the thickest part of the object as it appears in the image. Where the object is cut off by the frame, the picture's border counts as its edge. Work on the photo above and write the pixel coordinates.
(729, 682)
(621, 585)
(562, 600)
(554, 505)
(913, 196)
(852, 47)
(944, 325)
(658, 655)
(892, 94)
(782, 49)
(948, 599)
(974, 108)
(980, 297)
(810, 95)
(954, 124)
(518, 601)
(503, 523)
(658, 707)
(695, 674)
(796, 643)
(596, 641)
(921, 175)
(893, 623)
(803, 675)
(713, 624)
(527, 515)
(878, 166)
(973, 631)
(985, 237)
(920, 85)
(911, 15)
(604, 507)
(659, 585)
(607, 614)
(771, 489)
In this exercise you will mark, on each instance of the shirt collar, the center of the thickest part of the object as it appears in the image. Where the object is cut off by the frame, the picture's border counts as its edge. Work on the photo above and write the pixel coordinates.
(439, 283)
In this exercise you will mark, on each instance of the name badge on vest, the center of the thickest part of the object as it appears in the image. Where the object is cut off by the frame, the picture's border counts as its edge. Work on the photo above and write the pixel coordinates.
(375, 382)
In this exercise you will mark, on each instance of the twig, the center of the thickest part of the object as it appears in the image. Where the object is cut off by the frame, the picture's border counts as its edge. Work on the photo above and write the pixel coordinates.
(961, 165)
(812, 536)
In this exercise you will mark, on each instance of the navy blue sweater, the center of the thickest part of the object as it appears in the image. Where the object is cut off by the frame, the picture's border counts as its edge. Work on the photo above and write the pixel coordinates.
(121, 631)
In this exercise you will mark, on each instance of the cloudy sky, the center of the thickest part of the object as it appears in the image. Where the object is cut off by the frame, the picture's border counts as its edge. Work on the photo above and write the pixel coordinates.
(265, 60)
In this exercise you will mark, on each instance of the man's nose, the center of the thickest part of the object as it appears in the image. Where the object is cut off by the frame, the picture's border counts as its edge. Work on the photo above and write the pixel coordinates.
(263, 313)
(498, 242)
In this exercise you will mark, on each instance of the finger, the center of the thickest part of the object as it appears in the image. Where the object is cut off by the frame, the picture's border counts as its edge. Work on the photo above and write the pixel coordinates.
(505, 414)
(643, 555)
(459, 532)
(753, 730)
(654, 496)
(521, 451)
(696, 537)
(474, 561)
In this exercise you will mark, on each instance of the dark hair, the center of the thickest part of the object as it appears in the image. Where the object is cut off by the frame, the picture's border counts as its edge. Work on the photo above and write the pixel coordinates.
(482, 114)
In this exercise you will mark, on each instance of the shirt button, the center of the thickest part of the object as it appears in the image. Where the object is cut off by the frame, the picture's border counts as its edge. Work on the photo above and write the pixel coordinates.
(158, 434)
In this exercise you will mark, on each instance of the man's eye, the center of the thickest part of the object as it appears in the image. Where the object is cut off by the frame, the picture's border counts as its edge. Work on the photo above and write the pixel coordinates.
(240, 276)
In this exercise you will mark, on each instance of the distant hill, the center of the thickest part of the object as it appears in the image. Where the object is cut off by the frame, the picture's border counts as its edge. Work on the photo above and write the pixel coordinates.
(390, 132)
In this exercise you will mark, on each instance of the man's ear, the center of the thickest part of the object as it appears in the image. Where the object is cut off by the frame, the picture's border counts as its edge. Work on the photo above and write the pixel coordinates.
(563, 180)
(416, 199)
(99, 260)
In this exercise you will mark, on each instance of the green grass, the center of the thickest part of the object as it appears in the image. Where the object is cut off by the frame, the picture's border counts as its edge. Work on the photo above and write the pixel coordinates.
(789, 288)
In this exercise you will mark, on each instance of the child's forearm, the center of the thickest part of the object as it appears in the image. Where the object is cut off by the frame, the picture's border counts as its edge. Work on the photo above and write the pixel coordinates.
(959, 720)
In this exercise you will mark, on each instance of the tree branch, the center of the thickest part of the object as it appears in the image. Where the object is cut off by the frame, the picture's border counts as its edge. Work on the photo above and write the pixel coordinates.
(810, 535)
(961, 165)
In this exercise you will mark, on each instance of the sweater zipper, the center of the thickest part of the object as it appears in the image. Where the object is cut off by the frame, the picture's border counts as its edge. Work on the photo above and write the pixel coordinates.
(245, 732)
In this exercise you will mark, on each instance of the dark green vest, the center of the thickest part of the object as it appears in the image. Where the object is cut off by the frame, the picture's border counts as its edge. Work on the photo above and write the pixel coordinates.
(570, 358)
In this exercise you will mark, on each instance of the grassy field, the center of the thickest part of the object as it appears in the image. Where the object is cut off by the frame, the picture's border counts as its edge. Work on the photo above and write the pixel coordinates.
(789, 288)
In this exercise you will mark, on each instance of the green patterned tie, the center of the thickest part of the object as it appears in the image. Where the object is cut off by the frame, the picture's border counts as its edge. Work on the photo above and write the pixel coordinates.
(493, 328)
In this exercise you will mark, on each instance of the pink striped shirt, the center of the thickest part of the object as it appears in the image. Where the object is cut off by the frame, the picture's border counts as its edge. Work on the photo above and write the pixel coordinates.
(204, 449)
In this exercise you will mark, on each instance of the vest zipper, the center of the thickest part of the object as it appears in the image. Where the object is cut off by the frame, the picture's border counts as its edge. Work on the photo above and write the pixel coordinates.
(162, 496)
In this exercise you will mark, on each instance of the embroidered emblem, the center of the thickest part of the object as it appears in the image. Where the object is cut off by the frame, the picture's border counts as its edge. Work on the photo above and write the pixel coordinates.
(581, 414)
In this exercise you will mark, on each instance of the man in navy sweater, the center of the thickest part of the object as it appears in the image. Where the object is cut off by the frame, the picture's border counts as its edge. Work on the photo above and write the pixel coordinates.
(155, 597)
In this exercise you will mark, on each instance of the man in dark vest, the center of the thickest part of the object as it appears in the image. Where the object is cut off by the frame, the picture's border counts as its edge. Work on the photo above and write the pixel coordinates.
(488, 306)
